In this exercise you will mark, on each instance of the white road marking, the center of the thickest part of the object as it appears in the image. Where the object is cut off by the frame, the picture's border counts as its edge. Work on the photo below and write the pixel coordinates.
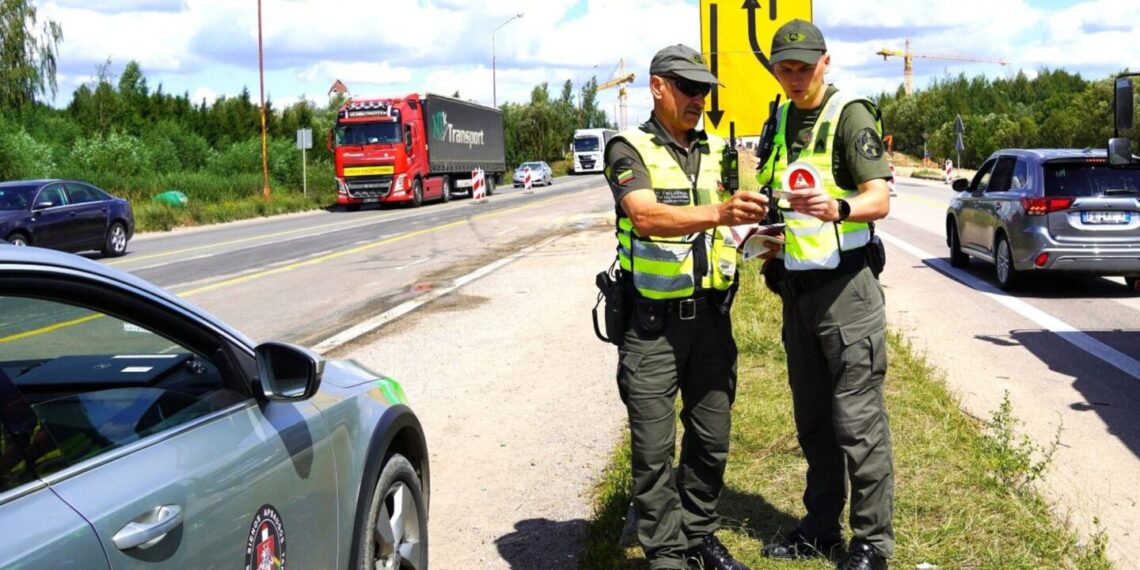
(1065, 331)
(416, 262)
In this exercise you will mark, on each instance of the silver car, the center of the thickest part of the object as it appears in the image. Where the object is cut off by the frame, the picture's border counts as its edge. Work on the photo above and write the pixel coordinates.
(1035, 211)
(137, 431)
(540, 174)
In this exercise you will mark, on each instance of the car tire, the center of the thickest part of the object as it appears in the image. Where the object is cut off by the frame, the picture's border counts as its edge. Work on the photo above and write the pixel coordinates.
(395, 533)
(446, 196)
(1007, 275)
(115, 243)
(1133, 283)
(957, 257)
(417, 194)
(18, 239)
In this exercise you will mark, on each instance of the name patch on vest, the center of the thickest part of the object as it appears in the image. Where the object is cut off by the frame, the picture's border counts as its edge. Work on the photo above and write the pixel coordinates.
(678, 197)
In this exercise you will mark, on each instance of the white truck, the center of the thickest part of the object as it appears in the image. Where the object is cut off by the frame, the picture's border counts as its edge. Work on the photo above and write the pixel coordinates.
(589, 144)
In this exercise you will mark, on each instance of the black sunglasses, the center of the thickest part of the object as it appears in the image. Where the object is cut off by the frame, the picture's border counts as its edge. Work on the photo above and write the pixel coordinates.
(691, 88)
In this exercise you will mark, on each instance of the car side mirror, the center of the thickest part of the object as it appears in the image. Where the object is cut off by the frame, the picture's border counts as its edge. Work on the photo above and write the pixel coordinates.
(1119, 151)
(960, 185)
(288, 372)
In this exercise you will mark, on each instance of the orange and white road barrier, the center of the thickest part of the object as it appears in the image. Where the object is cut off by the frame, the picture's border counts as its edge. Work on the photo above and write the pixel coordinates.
(528, 184)
(478, 188)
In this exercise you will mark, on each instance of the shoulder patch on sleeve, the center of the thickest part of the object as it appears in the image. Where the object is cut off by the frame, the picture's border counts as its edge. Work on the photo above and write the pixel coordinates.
(621, 173)
(869, 144)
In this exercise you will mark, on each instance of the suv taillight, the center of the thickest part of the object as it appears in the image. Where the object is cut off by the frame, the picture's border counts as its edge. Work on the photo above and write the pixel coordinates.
(1042, 206)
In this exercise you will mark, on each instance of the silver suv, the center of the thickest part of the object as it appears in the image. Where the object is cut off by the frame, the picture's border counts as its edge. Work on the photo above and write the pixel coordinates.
(1038, 210)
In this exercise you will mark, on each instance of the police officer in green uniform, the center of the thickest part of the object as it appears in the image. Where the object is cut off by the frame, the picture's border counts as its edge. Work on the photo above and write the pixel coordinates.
(834, 318)
(678, 261)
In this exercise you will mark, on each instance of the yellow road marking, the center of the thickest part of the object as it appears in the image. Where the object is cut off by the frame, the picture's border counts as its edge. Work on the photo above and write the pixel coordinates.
(49, 328)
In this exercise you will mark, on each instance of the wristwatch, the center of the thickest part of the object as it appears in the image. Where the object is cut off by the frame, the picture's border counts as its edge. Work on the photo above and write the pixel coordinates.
(844, 209)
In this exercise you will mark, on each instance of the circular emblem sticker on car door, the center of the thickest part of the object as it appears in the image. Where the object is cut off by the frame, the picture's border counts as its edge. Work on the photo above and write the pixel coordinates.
(265, 545)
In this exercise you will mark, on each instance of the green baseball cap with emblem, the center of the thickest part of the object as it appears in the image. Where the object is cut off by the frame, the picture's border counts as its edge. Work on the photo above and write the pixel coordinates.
(682, 61)
(798, 40)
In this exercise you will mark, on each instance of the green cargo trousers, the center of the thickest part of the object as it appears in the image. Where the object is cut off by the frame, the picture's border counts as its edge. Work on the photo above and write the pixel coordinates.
(837, 360)
(698, 358)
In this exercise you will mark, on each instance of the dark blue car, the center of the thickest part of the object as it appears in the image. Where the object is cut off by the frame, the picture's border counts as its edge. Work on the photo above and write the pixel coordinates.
(68, 215)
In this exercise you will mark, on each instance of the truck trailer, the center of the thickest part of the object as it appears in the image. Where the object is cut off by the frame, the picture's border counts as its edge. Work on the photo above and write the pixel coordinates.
(414, 149)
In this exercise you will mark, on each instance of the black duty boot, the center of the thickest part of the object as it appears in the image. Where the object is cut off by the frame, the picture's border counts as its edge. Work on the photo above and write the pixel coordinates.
(799, 545)
(863, 556)
(710, 554)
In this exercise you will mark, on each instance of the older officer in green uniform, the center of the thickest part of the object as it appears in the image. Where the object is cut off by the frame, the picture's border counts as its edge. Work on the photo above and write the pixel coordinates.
(678, 261)
(834, 318)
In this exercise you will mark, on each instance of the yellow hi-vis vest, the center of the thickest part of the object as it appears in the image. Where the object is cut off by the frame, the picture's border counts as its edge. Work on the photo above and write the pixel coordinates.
(811, 243)
(678, 267)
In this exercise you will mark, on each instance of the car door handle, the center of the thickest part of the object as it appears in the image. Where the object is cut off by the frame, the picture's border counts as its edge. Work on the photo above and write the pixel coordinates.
(149, 528)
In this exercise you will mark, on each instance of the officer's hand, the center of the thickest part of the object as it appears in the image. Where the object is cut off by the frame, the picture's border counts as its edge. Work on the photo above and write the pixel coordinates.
(813, 202)
(745, 207)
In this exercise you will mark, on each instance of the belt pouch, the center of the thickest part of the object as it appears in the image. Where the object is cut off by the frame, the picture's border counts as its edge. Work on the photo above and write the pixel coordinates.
(650, 315)
(615, 311)
(876, 255)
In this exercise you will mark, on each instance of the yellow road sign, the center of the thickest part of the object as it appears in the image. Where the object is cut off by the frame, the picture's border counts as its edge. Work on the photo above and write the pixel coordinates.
(735, 40)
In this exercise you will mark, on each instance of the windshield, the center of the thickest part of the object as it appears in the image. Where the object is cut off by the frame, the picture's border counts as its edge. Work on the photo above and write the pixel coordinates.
(531, 165)
(1083, 179)
(16, 197)
(368, 133)
(586, 144)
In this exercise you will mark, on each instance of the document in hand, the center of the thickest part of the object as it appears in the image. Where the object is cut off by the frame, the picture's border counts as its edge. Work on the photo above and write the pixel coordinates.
(752, 237)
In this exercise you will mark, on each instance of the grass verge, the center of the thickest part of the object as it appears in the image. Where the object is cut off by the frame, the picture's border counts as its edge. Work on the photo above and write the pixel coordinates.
(954, 507)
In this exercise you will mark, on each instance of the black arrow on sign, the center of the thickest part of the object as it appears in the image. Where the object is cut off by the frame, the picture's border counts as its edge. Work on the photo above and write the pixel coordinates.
(715, 114)
(752, 6)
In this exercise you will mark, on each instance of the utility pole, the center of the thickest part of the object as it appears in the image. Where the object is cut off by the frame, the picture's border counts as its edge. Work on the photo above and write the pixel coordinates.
(264, 141)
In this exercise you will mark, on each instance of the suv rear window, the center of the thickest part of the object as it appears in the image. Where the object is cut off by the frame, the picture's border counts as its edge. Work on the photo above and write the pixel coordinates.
(1079, 179)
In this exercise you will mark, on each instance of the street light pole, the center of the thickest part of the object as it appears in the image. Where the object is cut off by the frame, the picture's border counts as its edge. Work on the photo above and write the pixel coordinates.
(261, 74)
(494, 80)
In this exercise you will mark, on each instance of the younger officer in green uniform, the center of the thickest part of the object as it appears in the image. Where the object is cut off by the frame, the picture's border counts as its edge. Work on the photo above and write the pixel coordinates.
(834, 318)
(678, 262)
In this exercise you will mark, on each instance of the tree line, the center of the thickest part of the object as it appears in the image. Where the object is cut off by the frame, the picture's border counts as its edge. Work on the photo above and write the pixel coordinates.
(1055, 109)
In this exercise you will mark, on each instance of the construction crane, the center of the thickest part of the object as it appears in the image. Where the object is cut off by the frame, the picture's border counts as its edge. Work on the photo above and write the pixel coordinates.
(908, 68)
(620, 78)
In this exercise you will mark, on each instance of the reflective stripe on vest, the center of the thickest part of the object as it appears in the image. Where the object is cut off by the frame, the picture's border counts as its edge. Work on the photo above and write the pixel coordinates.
(812, 243)
(677, 267)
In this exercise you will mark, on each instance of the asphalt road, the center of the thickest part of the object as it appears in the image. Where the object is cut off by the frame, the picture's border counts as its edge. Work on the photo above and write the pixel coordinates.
(1066, 350)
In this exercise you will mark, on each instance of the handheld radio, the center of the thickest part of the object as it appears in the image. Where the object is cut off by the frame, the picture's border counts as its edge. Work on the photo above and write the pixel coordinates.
(730, 162)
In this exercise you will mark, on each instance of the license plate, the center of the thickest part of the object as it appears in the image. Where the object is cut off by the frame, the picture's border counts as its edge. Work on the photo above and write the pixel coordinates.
(370, 200)
(1097, 217)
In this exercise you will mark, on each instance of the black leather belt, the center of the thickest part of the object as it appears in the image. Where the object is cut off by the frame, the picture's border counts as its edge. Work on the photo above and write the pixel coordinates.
(792, 283)
(687, 309)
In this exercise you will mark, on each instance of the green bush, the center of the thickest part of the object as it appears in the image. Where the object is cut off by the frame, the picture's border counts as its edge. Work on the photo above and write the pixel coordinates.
(22, 156)
(114, 154)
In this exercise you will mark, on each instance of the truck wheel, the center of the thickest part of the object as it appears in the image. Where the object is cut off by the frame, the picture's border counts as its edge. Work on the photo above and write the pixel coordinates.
(446, 190)
(490, 184)
(417, 194)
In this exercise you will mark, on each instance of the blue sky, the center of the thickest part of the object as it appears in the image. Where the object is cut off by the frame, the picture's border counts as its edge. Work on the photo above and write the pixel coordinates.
(208, 48)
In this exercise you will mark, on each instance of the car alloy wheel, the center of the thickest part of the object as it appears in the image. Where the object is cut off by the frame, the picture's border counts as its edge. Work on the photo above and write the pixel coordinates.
(957, 258)
(116, 244)
(1004, 271)
(18, 240)
(395, 535)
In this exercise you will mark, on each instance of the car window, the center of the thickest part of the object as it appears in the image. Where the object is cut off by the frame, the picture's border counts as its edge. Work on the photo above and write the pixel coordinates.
(80, 193)
(78, 383)
(1020, 178)
(1082, 179)
(16, 197)
(52, 194)
(1002, 176)
(982, 178)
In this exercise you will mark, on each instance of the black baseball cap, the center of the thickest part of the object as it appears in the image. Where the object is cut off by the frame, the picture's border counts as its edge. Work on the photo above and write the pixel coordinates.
(682, 61)
(797, 40)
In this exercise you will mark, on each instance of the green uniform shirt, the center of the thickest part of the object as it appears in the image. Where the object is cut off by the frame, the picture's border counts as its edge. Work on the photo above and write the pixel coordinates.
(858, 150)
(626, 172)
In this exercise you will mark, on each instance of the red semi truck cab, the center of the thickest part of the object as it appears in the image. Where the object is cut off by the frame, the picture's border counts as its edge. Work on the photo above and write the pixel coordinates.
(411, 149)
